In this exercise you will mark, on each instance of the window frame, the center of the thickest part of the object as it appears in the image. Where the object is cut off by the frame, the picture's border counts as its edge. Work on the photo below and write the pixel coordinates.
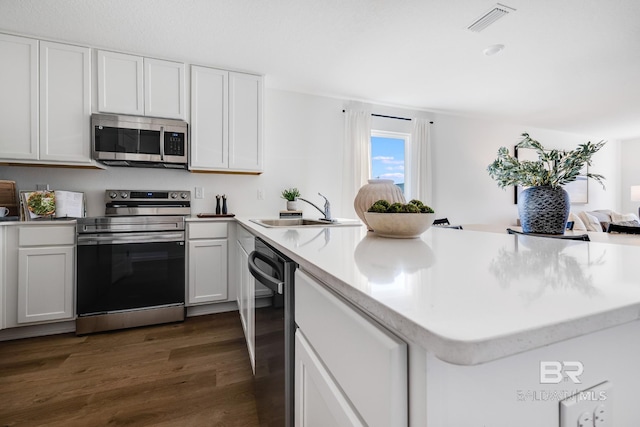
(407, 155)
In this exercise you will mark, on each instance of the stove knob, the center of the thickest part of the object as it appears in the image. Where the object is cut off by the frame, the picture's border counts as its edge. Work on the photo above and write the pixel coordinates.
(184, 195)
(174, 195)
(124, 195)
(113, 195)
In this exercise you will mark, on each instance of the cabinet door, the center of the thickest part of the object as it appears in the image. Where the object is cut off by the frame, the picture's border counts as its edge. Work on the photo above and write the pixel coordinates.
(356, 350)
(164, 88)
(65, 102)
(120, 83)
(45, 283)
(245, 122)
(319, 402)
(209, 118)
(246, 302)
(207, 271)
(19, 92)
(3, 275)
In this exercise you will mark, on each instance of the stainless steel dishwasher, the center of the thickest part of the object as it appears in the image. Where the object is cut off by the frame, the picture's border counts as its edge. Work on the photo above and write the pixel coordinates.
(274, 336)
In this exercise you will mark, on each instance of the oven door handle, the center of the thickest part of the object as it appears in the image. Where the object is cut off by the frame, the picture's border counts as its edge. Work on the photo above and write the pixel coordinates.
(124, 238)
(273, 283)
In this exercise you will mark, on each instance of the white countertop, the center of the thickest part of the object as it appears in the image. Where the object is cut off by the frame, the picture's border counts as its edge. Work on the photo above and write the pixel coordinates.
(471, 296)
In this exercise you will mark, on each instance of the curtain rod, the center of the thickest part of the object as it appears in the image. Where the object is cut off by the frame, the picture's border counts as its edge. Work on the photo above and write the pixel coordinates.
(389, 117)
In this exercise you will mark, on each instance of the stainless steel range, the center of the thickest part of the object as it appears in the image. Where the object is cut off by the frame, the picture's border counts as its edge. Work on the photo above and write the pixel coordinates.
(131, 262)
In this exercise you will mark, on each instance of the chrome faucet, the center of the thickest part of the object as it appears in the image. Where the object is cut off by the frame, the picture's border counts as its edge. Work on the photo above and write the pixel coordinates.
(327, 208)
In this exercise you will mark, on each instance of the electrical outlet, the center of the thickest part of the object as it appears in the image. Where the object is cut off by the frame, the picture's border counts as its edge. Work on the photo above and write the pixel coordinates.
(199, 192)
(601, 416)
(585, 420)
(260, 194)
(41, 187)
(592, 407)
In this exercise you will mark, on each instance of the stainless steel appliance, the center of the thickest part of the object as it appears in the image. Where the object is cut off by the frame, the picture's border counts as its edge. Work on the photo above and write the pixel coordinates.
(274, 336)
(119, 140)
(131, 263)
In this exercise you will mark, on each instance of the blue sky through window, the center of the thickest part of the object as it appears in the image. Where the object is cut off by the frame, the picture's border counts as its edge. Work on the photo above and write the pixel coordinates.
(387, 158)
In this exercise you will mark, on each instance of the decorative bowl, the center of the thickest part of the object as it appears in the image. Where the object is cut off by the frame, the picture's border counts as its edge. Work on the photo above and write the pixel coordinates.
(399, 225)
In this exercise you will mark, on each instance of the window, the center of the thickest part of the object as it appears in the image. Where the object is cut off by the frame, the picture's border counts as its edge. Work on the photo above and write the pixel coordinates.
(388, 156)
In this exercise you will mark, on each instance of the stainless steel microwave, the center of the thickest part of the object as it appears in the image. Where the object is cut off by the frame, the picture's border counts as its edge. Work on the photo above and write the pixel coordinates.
(119, 140)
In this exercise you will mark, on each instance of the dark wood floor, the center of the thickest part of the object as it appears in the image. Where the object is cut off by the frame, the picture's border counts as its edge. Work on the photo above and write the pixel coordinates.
(195, 373)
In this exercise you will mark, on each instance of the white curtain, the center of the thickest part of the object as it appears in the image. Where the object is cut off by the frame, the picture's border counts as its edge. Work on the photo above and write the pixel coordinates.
(421, 169)
(356, 154)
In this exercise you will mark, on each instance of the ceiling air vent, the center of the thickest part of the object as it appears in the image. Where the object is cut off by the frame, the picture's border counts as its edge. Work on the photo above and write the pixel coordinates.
(488, 18)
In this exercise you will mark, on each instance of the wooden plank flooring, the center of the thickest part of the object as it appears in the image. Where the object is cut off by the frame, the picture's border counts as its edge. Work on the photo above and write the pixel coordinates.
(195, 373)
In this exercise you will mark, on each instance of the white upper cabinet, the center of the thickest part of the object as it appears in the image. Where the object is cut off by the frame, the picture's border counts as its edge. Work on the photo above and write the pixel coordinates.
(245, 122)
(226, 121)
(209, 118)
(65, 102)
(130, 84)
(19, 103)
(47, 122)
(164, 88)
(120, 87)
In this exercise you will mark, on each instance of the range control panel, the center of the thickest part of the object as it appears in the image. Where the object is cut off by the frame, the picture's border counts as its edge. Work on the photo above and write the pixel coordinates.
(147, 196)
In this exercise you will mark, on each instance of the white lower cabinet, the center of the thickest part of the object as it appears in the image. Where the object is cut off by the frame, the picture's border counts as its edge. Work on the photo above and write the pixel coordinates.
(43, 288)
(207, 271)
(246, 290)
(3, 274)
(345, 353)
(45, 283)
(318, 400)
(207, 262)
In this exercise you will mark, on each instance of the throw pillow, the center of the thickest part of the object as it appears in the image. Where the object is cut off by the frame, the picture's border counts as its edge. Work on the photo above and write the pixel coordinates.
(578, 225)
(591, 222)
(616, 217)
(603, 216)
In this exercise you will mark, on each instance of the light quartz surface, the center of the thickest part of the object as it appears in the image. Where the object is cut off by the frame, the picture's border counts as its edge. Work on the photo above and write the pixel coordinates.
(471, 297)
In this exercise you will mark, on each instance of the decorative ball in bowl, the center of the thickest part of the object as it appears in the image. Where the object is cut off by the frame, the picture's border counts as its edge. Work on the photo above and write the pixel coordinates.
(400, 221)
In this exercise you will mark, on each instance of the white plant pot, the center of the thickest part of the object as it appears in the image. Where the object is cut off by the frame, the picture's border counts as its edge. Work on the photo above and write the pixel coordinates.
(292, 205)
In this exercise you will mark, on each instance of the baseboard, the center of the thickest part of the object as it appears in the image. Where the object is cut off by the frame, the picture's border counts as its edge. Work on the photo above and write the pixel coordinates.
(38, 330)
(221, 307)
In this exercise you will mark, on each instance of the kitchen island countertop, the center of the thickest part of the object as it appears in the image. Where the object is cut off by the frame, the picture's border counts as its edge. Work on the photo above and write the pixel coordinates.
(471, 297)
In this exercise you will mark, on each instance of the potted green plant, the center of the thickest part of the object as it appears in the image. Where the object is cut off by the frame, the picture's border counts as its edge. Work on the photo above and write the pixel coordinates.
(544, 205)
(291, 196)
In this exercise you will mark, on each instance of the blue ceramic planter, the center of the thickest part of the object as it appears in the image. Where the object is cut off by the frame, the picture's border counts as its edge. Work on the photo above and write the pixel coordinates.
(543, 210)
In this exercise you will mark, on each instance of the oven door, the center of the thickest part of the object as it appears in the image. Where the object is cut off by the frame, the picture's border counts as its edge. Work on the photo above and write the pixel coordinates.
(129, 271)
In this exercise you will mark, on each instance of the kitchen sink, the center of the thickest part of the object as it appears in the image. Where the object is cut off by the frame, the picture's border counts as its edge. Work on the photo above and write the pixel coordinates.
(302, 222)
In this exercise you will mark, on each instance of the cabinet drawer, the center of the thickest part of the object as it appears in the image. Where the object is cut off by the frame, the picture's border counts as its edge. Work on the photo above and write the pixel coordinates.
(207, 230)
(367, 361)
(46, 235)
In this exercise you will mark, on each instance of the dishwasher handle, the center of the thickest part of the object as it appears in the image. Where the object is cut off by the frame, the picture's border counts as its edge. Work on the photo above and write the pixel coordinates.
(273, 283)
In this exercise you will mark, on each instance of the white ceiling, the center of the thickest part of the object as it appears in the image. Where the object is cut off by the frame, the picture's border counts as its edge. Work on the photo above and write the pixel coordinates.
(571, 65)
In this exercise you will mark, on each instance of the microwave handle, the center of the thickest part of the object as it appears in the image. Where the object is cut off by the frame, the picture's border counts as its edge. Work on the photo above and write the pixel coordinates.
(162, 143)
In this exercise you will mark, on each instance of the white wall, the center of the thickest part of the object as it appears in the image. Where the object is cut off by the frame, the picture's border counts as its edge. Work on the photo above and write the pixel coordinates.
(303, 148)
(464, 147)
(630, 167)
